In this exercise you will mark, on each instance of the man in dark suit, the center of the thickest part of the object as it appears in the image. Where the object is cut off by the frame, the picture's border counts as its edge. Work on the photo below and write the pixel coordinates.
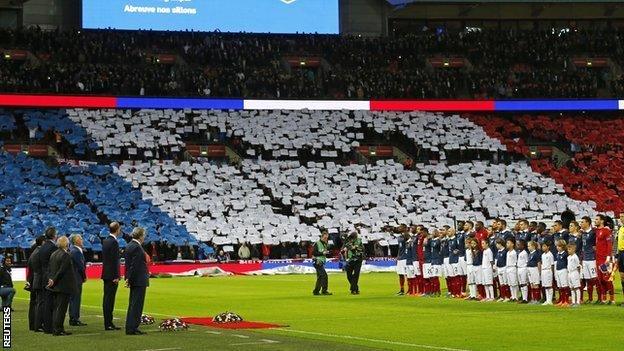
(62, 282)
(45, 302)
(80, 267)
(110, 274)
(35, 284)
(137, 279)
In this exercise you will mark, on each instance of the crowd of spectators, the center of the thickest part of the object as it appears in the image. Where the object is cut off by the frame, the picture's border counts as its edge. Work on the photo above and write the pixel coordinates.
(593, 143)
(501, 63)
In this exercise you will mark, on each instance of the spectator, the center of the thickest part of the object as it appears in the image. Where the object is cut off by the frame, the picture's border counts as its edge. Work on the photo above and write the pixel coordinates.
(243, 252)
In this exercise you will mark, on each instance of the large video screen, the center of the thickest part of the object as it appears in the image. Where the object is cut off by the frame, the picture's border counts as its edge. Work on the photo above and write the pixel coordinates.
(254, 16)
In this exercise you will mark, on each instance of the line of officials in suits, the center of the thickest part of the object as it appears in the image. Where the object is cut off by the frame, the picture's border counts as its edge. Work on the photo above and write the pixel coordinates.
(56, 272)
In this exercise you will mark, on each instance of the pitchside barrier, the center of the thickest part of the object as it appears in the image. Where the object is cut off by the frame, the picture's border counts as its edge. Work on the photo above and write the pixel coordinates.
(206, 268)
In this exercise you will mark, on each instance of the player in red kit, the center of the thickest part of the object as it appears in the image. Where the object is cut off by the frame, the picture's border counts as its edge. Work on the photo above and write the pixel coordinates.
(604, 250)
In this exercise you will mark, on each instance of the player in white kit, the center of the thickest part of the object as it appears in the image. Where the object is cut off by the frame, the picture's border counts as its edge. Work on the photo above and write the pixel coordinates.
(511, 269)
(574, 275)
(547, 264)
(487, 271)
(523, 277)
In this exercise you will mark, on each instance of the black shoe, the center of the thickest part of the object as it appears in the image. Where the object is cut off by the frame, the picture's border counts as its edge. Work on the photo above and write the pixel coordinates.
(112, 327)
(77, 324)
(135, 332)
(39, 330)
(316, 293)
(326, 293)
(62, 333)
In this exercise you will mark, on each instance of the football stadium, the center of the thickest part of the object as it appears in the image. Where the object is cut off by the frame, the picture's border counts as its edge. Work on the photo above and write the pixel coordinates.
(311, 175)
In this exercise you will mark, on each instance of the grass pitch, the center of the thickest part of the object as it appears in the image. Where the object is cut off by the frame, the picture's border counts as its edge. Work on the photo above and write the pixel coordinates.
(374, 320)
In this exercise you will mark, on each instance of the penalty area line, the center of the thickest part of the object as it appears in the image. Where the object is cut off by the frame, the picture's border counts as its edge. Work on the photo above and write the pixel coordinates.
(380, 341)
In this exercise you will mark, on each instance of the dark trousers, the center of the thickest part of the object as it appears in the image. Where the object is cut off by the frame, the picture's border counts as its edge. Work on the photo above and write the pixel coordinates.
(61, 301)
(74, 304)
(32, 311)
(39, 309)
(108, 302)
(353, 274)
(135, 308)
(47, 310)
(321, 278)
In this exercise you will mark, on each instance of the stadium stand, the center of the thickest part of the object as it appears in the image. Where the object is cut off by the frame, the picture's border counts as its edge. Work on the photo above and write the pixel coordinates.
(33, 197)
(288, 199)
(217, 204)
(280, 134)
(540, 63)
(226, 205)
(115, 199)
(593, 172)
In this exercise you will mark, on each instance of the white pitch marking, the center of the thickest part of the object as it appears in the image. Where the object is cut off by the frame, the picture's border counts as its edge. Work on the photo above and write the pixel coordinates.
(167, 349)
(261, 342)
(389, 342)
(240, 336)
(116, 309)
(98, 316)
(213, 332)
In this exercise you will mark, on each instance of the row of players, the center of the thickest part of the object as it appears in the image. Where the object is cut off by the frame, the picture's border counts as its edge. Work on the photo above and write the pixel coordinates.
(521, 265)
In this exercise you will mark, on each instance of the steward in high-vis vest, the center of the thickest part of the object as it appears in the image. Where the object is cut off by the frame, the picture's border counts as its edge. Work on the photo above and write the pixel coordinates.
(320, 257)
(354, 254)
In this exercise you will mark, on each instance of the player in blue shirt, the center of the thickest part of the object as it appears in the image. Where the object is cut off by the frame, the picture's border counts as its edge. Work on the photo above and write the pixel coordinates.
(477, 262)
(523, 234)
(444, 251)
(574, 237)
(533, 270)
(501, 267)
(589, 272)
(559, 232)
(409, 262)
(467, 229)
(436, 262)
(401, 267)
(454, 278)
(504, 232)
(561, 273)
(427, 268)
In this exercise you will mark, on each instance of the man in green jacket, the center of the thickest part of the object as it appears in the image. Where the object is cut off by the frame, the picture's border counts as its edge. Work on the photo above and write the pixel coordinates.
(353, 251)
(320, 257)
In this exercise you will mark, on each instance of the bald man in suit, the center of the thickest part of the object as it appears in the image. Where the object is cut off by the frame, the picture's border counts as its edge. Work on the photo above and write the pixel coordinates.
(62, 282)
(137, 279)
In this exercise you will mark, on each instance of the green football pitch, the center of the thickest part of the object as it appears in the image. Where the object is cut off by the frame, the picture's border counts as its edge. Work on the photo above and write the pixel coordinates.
(374, 320)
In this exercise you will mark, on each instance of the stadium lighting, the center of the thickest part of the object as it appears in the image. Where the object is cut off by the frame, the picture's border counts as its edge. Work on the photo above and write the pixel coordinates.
(302, 63)
(7, 56)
